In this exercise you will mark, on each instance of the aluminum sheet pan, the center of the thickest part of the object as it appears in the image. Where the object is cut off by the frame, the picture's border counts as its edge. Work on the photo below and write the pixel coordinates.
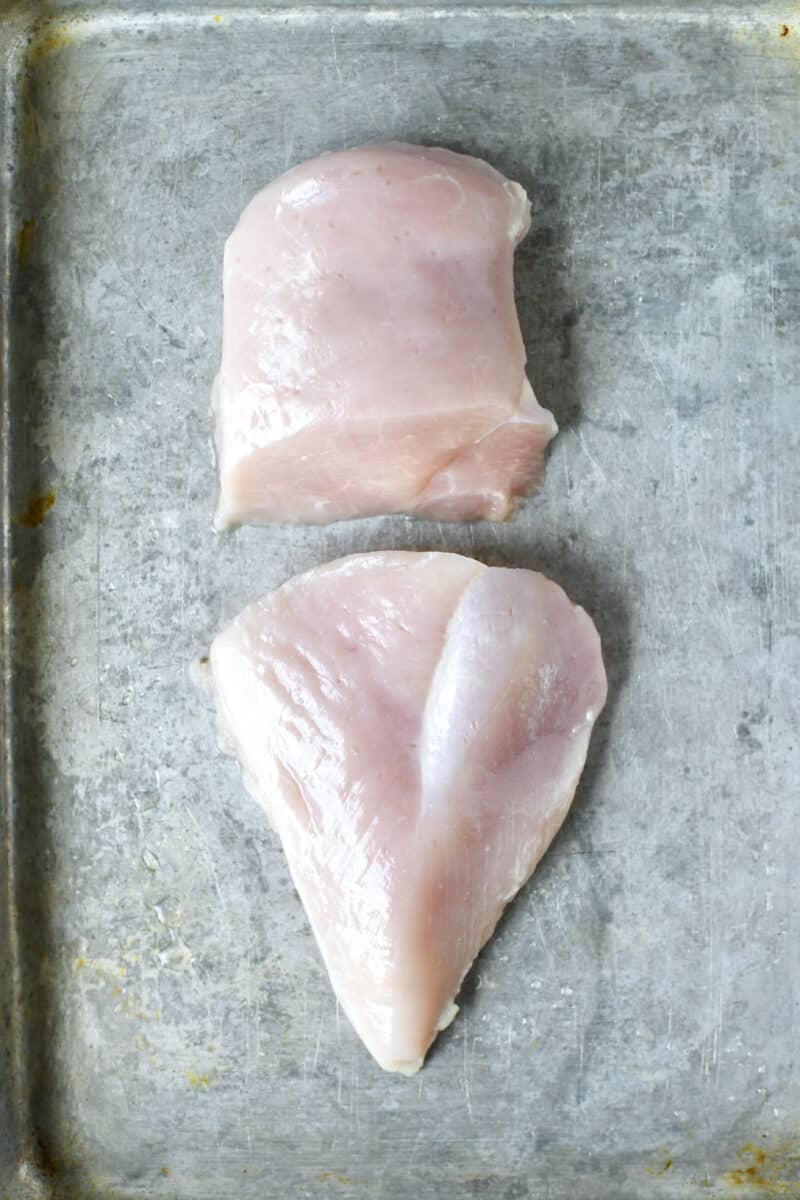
(632, 1029)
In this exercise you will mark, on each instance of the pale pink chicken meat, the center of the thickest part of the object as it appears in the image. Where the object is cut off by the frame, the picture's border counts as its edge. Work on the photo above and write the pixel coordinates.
(372, 360)
(415, 726)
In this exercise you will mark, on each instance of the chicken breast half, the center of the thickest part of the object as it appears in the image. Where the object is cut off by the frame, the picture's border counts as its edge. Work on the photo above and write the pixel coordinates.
(372, 360)
(415, 726)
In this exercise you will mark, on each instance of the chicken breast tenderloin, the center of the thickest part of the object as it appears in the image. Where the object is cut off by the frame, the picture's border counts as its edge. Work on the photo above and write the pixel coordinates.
(415, 726)
(372, 360)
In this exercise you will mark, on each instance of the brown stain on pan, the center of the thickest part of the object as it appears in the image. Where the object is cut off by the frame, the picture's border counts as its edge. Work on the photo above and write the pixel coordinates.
(25, 240)
(39, 505)
(48, 37)
(766, 1170)
(771, 35)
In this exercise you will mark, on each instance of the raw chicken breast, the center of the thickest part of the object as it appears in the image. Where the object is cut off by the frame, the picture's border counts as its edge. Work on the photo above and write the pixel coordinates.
(372, 360)
(415, 726)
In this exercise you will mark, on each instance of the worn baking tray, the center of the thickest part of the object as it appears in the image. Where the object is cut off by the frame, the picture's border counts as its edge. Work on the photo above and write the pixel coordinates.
(632, 1029)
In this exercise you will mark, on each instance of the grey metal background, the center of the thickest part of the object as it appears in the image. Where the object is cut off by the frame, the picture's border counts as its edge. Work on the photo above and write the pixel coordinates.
(168, 1029)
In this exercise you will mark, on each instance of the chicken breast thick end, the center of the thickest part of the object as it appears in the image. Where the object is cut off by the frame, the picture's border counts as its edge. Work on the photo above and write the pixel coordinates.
(372, 359)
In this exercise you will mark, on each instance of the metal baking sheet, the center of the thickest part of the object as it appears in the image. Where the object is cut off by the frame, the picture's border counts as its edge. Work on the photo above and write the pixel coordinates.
(631, 1031)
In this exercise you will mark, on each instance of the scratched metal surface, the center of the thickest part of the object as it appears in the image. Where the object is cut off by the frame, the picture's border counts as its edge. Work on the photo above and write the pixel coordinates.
(630, 1031)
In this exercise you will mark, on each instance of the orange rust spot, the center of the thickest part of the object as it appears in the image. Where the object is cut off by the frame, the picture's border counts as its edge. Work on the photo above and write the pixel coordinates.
(37, 510)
